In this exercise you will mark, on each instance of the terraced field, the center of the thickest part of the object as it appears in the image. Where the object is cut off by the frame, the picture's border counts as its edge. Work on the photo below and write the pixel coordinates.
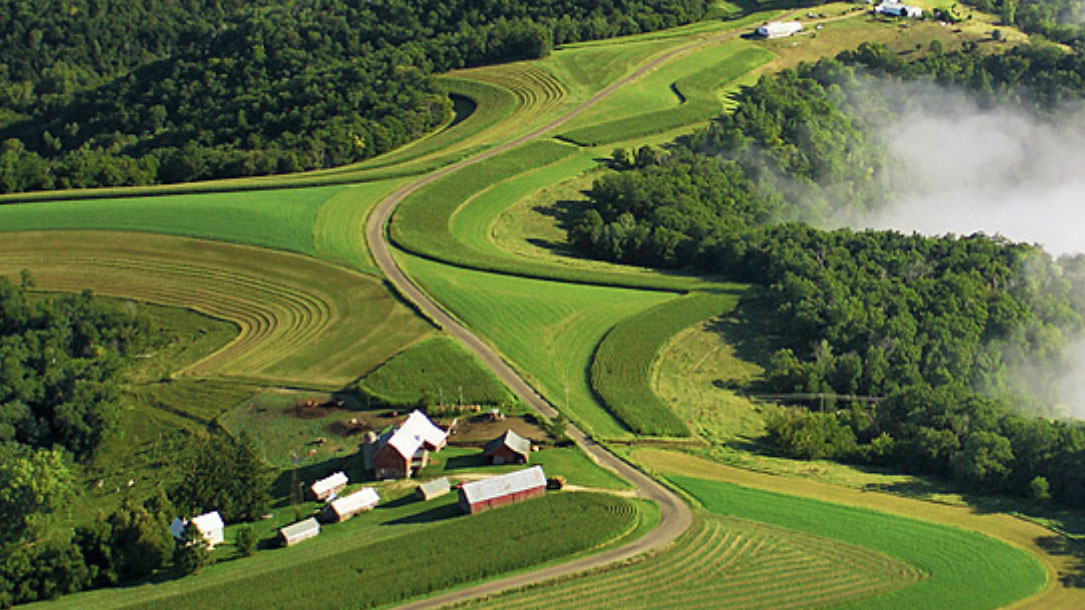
(723, 562)
(537, 91)
(548, 329)
(679, 93)
(301, 321)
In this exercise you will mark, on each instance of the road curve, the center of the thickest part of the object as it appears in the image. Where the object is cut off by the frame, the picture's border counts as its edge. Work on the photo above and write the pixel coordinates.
(675, 516)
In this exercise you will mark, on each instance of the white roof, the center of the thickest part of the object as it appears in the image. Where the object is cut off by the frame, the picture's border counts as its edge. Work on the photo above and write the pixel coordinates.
(366, 497)
(780, 27)
(505, 484)
(208, 522)
(413, 432)
(300, 528)
(328, 483)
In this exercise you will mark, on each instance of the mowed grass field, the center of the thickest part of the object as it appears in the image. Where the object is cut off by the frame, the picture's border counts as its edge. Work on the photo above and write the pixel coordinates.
(549, 330)
(397, 551)
(437, 369)
(679, 93)
(301, 321)
(621, 369)
(953, 560)
(1050, 574)
(725, 562)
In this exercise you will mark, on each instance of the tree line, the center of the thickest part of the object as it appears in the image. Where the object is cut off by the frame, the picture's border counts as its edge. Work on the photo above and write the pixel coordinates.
(227, 89)
(931, 326)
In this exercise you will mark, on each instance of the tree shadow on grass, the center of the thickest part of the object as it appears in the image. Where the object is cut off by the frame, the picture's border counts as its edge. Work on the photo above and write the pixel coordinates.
(437, 513)
(1066, 546)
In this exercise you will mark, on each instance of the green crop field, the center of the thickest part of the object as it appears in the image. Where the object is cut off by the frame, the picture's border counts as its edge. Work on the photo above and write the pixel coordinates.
(621, 369)
(954, 561)
(724, 562)
(293, 329)
(549, 329)
(438, 367)
(695, 92)
(355, 569)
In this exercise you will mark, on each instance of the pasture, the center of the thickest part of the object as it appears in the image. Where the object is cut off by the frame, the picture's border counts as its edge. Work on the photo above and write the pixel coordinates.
(291, 329)
(724, 562)
(621, 368)
(549, 330)
(436, 371)
(389, 555)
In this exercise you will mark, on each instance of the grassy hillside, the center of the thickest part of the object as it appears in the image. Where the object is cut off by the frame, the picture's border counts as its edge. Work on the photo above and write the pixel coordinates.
(292, 330)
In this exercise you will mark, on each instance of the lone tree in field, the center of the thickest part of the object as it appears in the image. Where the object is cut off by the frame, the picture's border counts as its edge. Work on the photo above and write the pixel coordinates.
(226, 475)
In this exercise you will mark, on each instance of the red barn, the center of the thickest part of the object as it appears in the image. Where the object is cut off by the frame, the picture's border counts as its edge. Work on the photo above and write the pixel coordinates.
(518, 486)
(405, 448)
(509, 448)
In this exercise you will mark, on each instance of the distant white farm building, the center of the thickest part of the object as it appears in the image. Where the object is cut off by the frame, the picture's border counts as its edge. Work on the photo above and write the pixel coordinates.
(341, 509)
(329, 485)
(779, 29)
(896, 9)
(296, 532)
(209, 525)
(518, 486)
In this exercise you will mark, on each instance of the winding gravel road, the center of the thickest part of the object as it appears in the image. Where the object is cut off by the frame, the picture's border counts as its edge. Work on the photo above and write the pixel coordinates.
(675, 515)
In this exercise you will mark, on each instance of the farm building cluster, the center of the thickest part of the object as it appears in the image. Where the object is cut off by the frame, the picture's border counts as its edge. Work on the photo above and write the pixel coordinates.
(398, 453)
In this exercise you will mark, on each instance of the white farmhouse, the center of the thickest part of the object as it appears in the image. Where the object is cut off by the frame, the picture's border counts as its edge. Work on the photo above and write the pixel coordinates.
(779, 29)
(209, 525)
(893, 8)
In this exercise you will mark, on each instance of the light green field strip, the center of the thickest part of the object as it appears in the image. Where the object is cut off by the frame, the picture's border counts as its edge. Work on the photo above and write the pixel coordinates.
(688, 99)
(281, 219)
(472, 224)
(621, 369)
(963, 569)
(339, 227)
(723, 562)
(302, 321)
(549, 330)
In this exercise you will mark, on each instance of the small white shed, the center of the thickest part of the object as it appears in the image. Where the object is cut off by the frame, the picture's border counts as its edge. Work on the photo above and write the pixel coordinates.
(329, 485)
(302, 530)
(341, 509)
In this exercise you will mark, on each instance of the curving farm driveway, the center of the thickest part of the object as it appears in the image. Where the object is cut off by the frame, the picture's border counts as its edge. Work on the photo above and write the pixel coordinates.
(675, 516)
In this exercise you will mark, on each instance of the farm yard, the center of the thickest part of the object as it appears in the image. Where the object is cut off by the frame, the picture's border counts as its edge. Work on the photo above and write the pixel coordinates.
(294, 333)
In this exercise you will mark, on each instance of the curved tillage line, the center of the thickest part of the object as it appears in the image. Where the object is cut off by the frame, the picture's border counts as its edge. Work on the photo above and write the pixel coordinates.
(270, 316)
(292, 317)
(677, 565)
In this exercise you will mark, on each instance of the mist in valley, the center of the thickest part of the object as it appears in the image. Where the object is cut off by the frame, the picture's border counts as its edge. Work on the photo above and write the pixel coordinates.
(959, 168)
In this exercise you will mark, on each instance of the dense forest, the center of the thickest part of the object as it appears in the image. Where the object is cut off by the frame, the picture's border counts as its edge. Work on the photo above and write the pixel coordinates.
(1059, 20)
(120, 93)
(930, 328)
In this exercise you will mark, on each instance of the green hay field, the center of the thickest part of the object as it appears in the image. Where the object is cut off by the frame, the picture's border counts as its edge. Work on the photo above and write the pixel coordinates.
(548, 329)
(953, 560)
(438, 367)
(621, 368)
(724, 562)
(301, 321)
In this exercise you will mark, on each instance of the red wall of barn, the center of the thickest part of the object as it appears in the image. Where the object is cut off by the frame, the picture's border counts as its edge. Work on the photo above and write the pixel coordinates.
(510, 456)
(389, 459)
(520, 496)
